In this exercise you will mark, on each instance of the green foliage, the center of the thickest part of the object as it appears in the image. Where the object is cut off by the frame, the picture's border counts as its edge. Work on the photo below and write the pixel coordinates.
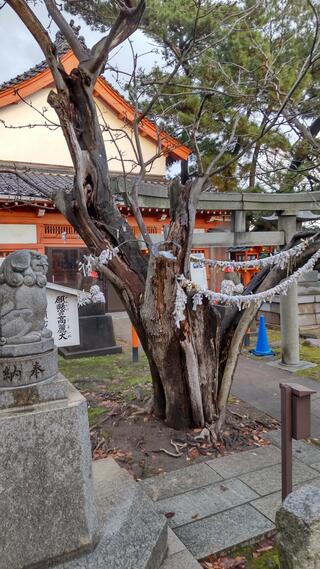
(94, 413)
(236, 60)
(116, 371)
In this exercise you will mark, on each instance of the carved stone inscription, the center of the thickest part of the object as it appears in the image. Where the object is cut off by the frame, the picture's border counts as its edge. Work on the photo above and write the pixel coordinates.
(26, 370)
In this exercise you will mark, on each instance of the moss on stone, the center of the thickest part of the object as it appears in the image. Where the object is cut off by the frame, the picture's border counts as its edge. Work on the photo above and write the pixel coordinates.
(267, 560)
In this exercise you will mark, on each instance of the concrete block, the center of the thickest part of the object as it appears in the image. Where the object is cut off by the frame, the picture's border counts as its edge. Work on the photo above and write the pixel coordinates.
(307, 320)
(292, 368)
(305, 299)
(132, 534)
(47, 505)
(121, 326)
(179, 481)
(298, 525)
(204, 502)
(242, 462)
(222, 531)
(268, 480)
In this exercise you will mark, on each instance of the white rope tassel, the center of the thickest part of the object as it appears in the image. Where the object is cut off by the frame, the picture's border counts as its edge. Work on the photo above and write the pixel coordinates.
(90, 261)
(244, 300)
(280, 260)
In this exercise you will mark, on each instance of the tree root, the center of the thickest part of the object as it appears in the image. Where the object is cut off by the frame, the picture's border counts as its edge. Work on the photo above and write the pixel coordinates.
(177, 447)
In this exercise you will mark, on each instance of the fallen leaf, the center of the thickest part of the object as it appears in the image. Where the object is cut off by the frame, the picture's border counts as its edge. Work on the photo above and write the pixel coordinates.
(169, 514)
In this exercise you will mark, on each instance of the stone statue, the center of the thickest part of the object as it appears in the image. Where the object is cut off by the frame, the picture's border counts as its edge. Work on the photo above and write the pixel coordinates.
(23, 301)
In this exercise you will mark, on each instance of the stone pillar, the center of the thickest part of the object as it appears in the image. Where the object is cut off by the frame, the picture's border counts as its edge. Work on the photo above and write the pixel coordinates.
(298, 525)
(239, 221)
(289, 304)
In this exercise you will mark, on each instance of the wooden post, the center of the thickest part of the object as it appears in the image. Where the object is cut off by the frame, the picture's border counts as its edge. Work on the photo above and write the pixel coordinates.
(286, 439)
(295, 423)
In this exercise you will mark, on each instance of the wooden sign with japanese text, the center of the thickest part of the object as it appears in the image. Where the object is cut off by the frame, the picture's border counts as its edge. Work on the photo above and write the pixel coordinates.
(62, 314)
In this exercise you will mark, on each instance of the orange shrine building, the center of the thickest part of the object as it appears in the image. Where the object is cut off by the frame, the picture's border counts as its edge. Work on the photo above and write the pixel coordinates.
(32, 142)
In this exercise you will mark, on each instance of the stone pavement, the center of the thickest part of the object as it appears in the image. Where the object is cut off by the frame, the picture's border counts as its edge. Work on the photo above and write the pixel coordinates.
(227, 501)
(257, 383)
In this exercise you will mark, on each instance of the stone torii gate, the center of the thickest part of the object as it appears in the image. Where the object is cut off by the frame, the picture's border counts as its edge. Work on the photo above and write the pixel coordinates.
(239, 204)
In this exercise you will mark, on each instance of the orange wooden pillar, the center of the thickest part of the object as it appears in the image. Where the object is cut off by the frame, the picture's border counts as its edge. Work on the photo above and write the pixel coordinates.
(135, 345)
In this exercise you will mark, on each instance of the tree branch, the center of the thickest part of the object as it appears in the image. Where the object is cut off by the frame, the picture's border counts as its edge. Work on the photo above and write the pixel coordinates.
(78, 49)
(125, 24)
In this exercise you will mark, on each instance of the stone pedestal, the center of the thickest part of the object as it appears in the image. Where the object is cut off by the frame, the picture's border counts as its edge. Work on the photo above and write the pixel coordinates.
(298, 525)
(47, 500)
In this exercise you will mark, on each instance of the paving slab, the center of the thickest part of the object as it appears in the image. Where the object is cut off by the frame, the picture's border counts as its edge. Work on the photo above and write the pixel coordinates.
(258, 384)
(181, 560)
(274, 437)
(246, 461)
(268, 480)
(301, 450)
(316, 466)
(204, 502)
(224, 530)
(268, 505)
(179, 481)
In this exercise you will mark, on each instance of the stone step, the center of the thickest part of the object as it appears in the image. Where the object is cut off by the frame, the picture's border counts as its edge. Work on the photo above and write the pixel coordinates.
(132, 534)
(178, 556)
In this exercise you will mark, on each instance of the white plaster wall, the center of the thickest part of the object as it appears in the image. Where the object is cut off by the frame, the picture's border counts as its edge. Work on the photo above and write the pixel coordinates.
(47, 145)
(17, 233)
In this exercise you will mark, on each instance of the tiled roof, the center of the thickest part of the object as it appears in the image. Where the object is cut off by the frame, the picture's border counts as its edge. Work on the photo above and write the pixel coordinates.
(62, 48)
(24, 76)
(13, 185)
(29, 188)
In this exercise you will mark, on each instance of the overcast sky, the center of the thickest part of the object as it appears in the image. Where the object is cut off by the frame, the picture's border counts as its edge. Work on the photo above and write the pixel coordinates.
(19, 50)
